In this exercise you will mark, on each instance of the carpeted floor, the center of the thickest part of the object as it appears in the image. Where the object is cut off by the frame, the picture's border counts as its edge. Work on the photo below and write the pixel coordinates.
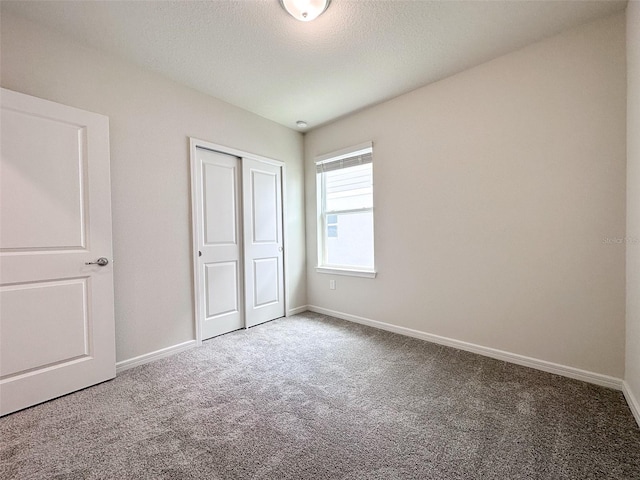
(314, 397)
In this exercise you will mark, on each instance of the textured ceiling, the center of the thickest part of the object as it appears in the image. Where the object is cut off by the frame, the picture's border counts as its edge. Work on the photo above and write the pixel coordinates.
(359, 52)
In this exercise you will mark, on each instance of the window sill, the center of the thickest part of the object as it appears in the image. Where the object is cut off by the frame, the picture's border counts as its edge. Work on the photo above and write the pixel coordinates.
(347, 271)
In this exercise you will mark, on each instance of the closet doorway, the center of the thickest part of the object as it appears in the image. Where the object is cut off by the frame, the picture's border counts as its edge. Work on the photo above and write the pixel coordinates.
(238, 239)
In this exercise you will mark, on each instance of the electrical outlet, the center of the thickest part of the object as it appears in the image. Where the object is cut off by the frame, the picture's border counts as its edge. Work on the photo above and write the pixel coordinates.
(332, 284)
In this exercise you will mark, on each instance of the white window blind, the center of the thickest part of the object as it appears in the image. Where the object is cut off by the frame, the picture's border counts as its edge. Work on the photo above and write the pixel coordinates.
(358, 158)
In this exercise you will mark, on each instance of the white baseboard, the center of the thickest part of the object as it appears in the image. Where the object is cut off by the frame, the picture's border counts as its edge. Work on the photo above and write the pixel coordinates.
(633, 402)
(150, 357)
(297, 310)
(571, 372)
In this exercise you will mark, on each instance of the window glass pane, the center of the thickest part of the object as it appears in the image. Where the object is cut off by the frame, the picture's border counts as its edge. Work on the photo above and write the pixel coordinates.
(353, 246)
(349, 188)
(332, 219)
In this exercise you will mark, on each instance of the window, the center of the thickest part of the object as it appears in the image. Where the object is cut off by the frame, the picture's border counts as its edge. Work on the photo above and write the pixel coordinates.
(332, 226)
(345, 211)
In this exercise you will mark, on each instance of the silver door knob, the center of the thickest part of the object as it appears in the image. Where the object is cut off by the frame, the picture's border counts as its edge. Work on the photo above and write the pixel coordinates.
(101, 261)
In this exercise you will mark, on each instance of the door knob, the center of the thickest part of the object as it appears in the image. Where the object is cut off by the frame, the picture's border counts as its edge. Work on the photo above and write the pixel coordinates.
(101, 261)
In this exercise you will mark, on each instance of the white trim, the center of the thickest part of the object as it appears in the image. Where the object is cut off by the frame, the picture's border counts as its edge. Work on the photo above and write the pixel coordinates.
(285, 236)
(297, 310)
(634, 404)
(234, 151)
(152, 356)
(347, 272)
(195, 232)
(545, 366)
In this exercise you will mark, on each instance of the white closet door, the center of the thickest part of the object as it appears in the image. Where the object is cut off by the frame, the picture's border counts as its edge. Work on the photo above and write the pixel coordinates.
(263, 241)
(56, 312)
(219, 266)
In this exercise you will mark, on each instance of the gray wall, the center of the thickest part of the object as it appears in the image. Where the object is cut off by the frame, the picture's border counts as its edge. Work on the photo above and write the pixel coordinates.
(500, 194)
(499, 204)
(632, 371)
(151, 119)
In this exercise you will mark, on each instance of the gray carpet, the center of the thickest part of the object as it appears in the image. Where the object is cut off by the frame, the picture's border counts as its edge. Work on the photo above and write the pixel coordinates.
(314, 397)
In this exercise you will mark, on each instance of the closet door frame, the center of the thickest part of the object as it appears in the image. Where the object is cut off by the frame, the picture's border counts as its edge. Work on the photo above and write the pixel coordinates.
(195, 143)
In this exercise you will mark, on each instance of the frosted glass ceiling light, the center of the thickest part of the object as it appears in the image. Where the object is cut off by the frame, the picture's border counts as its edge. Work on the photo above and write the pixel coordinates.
(305, 10)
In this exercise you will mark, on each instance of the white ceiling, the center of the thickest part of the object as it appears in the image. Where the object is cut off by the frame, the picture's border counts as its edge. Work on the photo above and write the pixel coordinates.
(359, 52)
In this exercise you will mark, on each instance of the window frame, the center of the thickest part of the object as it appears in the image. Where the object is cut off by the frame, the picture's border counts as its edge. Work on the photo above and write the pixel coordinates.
(321, 213)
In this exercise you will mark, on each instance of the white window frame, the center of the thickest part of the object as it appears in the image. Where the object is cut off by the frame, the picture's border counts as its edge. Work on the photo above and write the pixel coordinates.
(321, 266)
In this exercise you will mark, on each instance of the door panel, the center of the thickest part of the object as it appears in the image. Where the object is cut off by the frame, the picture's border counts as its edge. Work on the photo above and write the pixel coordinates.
(265, 281)
(217, 201)
(263, 248)
(43, 165)
(221, 283)
(57, 330)
(220, 209)
(264, 202)
(53, 309)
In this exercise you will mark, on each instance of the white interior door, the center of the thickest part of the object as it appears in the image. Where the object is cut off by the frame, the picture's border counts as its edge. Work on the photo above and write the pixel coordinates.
(219, 265)
(263, 241)
(56, 312)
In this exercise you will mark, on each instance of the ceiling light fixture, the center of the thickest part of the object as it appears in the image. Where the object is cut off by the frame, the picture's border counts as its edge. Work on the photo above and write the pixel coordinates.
(305, 10)
(301, 124)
